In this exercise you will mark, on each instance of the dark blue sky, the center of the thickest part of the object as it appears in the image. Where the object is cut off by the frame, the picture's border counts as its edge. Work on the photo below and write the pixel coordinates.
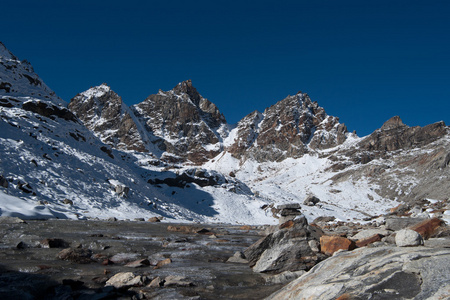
(363, 61)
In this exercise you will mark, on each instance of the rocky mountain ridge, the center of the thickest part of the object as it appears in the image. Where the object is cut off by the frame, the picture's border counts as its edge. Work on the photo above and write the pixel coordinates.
(289, 152)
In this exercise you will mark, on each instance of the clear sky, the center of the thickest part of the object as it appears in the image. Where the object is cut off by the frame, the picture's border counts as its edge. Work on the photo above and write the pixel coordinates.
(363, 61)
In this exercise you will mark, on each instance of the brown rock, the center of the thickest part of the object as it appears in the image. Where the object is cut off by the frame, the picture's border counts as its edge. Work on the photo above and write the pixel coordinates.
(81, 256)
(428, 227)
(364, 242)
(154, 220)
(288, 224)
(245, 227)
(163, 263)
(330, 244)
(182, 228)
(138, 263)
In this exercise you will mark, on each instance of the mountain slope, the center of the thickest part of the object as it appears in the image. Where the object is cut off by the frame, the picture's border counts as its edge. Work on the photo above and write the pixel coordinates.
(103, 159)
(52, 165)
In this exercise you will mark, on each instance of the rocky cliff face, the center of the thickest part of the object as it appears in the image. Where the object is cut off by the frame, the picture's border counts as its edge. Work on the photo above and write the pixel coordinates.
(191, 126)
(103, 112)
(395, 135)
(287, 129)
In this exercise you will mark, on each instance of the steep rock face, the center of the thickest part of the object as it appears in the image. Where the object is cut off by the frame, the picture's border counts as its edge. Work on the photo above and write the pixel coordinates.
(395, 135)
(103, 112)
(287, 129)
(190, 125)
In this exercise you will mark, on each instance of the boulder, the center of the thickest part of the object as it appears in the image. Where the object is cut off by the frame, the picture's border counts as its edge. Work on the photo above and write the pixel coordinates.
(396, 224)
(286, 249)
(408, 237)
(428, 228)
(367, 233)
(154, 220)
(330, 244)
(369, 240)
(76, 255)
(311, 200)
(375, 273)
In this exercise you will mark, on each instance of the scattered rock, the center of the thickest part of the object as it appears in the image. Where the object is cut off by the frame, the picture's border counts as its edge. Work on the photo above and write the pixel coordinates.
(163, 263)
(11, 220)
(330, 244)
(311, 200)
(395, 224)
(67, 201)
(323, 219)
(408, 237)
(53, 243)
(174, 280)
(428, 228)
(125, 280)
(157, 282)
(284, 277)
(238, 257)
(367, 233)
(77, 255)
(369, 240)
(123, 258)
(138, 263)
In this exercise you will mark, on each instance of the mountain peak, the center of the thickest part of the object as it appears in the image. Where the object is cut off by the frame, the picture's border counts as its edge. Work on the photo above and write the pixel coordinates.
(393, 123)
(5, 54)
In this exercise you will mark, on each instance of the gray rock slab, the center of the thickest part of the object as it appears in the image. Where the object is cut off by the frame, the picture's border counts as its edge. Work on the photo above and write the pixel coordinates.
(376, 273)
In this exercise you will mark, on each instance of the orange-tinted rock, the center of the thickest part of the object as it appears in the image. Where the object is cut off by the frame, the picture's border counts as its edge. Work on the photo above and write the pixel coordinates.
(330, 244)
(288, 224)
(245, 227)
(428, 227)
(364, 242)
(163, 263)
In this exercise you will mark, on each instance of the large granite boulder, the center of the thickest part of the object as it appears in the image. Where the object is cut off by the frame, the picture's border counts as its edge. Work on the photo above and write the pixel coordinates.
(287, 249)
(375, 273)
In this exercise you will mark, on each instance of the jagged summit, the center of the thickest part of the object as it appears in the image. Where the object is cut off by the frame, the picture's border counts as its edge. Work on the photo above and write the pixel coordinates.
(393, 123)
(103, 112)
(288, 128)
(191, 126)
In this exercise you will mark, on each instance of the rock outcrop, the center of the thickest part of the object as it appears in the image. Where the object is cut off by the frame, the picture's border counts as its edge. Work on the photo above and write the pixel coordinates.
(286, 249)
(191, 126)
(376, 273)
(287, 129)
(103, 112)
(395, 135)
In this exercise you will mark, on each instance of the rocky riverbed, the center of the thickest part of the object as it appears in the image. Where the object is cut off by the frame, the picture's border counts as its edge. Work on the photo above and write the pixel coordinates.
(63, 259)
(396, 256)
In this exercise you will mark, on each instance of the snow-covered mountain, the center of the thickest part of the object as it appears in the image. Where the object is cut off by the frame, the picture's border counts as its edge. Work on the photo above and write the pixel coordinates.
(174, 156)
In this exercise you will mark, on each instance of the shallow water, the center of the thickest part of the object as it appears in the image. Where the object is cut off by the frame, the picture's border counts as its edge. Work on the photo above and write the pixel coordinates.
(201, 258)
